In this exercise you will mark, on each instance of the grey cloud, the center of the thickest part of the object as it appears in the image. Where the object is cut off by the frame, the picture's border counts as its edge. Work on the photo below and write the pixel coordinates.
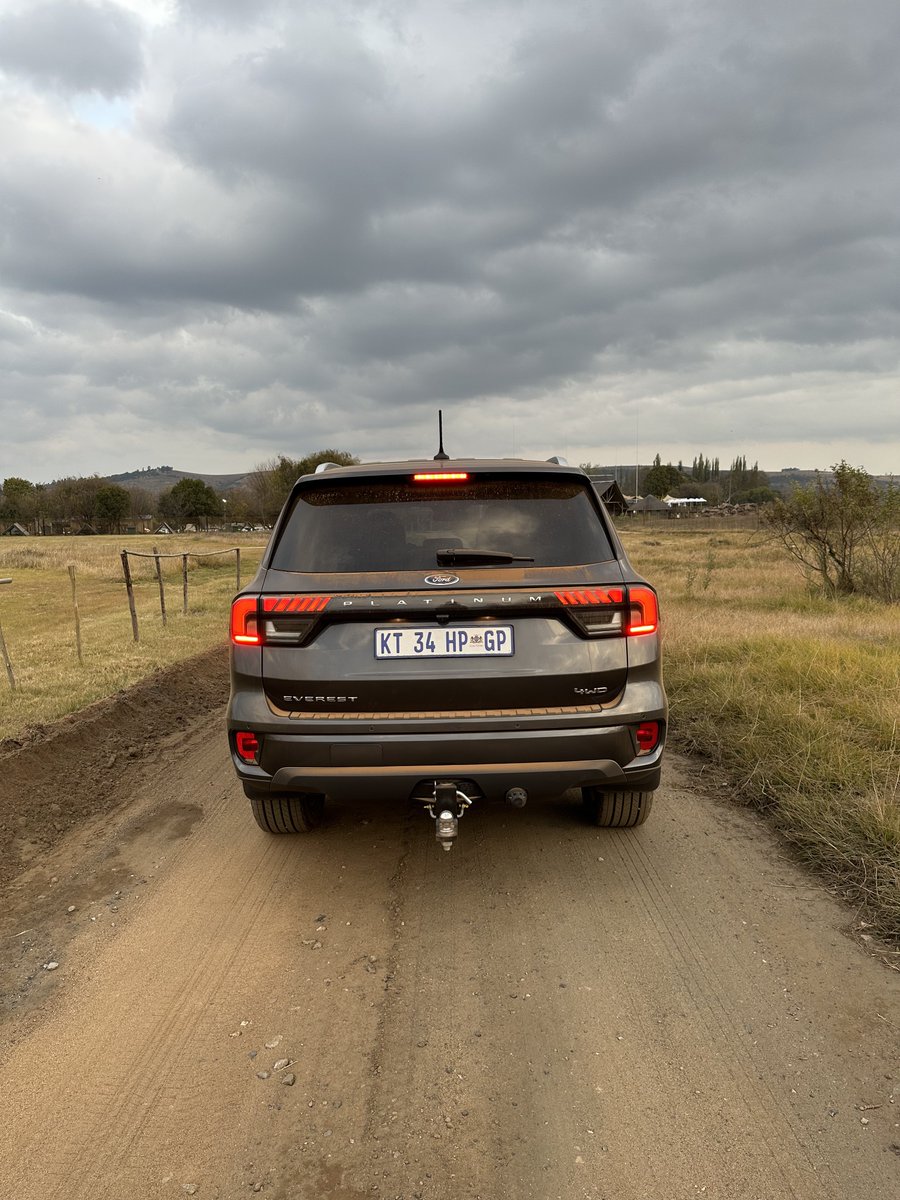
(74, 45)
(309, 233)
(237, 13)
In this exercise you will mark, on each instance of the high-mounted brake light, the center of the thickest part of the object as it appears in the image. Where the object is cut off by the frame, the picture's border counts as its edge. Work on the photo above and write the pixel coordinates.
(441, 477)
(245, 622)
(643, 615)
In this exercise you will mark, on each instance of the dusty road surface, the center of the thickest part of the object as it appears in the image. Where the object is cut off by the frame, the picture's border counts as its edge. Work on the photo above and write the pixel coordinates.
(548, 1011)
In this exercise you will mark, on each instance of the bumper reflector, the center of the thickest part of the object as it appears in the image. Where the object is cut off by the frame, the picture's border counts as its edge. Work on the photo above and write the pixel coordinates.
(247, 746)
(647, 736)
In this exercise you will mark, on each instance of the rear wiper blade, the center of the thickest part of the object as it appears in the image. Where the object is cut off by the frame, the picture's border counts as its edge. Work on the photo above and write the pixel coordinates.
(459, 556)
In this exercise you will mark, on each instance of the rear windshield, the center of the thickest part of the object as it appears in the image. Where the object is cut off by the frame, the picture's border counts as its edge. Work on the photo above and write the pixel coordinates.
(397, 525)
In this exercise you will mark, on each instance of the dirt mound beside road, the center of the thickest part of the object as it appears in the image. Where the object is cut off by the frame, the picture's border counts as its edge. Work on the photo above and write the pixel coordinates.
(55, 775)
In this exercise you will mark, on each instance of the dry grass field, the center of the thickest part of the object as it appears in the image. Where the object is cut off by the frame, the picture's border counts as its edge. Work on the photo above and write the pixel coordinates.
(38, 623)
(795, 697)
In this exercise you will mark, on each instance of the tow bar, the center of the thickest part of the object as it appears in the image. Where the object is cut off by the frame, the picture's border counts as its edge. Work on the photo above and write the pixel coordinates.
(445, 809)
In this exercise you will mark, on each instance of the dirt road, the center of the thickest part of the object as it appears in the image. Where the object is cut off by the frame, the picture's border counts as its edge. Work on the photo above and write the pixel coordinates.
(549, 1011)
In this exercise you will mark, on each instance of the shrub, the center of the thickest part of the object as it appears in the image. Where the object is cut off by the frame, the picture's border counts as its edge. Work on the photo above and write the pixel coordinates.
(845, 530)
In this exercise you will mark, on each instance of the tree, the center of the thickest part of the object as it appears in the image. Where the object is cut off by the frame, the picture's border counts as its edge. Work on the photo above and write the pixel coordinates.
(18, 499)
(73, 501)
(661, 480)
(240, 507)
(845, 530)
(141, 502)
(190, 502)
(113, 503)
(744, 483)
(271, 482)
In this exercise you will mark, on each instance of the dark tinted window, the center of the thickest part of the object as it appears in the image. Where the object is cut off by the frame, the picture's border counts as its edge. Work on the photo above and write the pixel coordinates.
(397, 525)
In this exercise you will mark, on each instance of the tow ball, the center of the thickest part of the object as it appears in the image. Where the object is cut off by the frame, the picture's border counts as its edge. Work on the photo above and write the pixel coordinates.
(445, 809)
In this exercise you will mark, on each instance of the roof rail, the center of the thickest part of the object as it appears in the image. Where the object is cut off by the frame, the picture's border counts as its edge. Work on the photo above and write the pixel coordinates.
(559, 460)
(327, 466)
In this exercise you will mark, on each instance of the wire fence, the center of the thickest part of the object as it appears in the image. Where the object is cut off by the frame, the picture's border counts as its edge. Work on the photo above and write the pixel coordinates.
(157, 558)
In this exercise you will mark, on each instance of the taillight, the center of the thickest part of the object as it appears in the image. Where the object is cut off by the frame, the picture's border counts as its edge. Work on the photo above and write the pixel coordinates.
(245, 629)
(647, 736)
(266, 620)
(599, 612)
(290, 620)
(643, 611)
(247, 746)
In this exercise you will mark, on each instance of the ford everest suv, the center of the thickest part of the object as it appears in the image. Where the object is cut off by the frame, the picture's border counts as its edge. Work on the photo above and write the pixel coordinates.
(449, 631)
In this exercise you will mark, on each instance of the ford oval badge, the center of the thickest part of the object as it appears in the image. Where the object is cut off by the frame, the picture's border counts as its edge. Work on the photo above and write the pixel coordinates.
(441, 580)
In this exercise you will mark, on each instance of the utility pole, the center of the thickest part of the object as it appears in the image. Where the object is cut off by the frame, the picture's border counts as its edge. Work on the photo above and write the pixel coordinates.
(637, 456)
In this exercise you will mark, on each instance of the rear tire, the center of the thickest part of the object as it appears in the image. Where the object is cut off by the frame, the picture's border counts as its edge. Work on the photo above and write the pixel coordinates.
(283, 813)
(616, 810)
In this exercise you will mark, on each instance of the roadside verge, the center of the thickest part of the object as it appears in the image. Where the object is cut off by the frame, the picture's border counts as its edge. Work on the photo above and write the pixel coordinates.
(55, 775)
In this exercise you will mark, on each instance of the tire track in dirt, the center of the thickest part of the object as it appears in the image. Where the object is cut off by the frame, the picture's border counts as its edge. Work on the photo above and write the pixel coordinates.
(130, 1030)
(550, 1011)
(158, 1044)
(569, 1018)
(792, 1162)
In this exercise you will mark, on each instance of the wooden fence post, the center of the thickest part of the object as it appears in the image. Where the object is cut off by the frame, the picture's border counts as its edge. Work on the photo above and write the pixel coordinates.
(159, 580)
(77, 618)
(4, 653)
(129, 587)
(184, 579)
(237, 559)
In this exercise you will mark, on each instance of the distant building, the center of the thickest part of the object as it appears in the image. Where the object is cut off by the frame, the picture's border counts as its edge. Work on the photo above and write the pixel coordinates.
(15, 530)
(647, 504)
(610, 493)
(684, 504)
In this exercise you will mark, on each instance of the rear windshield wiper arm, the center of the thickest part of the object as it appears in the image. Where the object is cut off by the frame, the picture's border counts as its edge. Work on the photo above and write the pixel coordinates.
(459, 556)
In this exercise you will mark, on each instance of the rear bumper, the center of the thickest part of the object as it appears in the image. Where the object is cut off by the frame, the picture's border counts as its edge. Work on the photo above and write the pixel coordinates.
(543, 761)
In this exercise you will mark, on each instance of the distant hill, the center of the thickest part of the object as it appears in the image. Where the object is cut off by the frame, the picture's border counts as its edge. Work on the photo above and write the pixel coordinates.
(161, 479)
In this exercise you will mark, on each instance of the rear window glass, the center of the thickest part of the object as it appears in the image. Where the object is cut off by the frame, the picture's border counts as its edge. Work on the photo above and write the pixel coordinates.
(396, 525)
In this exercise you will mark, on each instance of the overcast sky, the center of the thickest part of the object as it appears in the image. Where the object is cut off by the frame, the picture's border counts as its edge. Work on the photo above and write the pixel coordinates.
(236, 228)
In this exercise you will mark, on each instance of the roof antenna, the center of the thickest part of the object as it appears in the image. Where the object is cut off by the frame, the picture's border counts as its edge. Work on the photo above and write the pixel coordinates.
(441, 455)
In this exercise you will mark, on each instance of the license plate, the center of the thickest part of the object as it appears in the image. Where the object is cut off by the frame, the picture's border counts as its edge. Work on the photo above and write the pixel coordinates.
(457, 641)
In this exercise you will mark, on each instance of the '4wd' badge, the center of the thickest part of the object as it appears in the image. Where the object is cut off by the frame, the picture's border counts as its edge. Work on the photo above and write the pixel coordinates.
(441, 580)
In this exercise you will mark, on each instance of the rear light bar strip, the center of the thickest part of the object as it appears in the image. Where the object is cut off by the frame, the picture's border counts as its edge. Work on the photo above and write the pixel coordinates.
(639, 602)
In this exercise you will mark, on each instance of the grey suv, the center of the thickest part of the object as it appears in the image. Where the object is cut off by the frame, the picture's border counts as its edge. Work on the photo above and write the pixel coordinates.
(449, 631)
